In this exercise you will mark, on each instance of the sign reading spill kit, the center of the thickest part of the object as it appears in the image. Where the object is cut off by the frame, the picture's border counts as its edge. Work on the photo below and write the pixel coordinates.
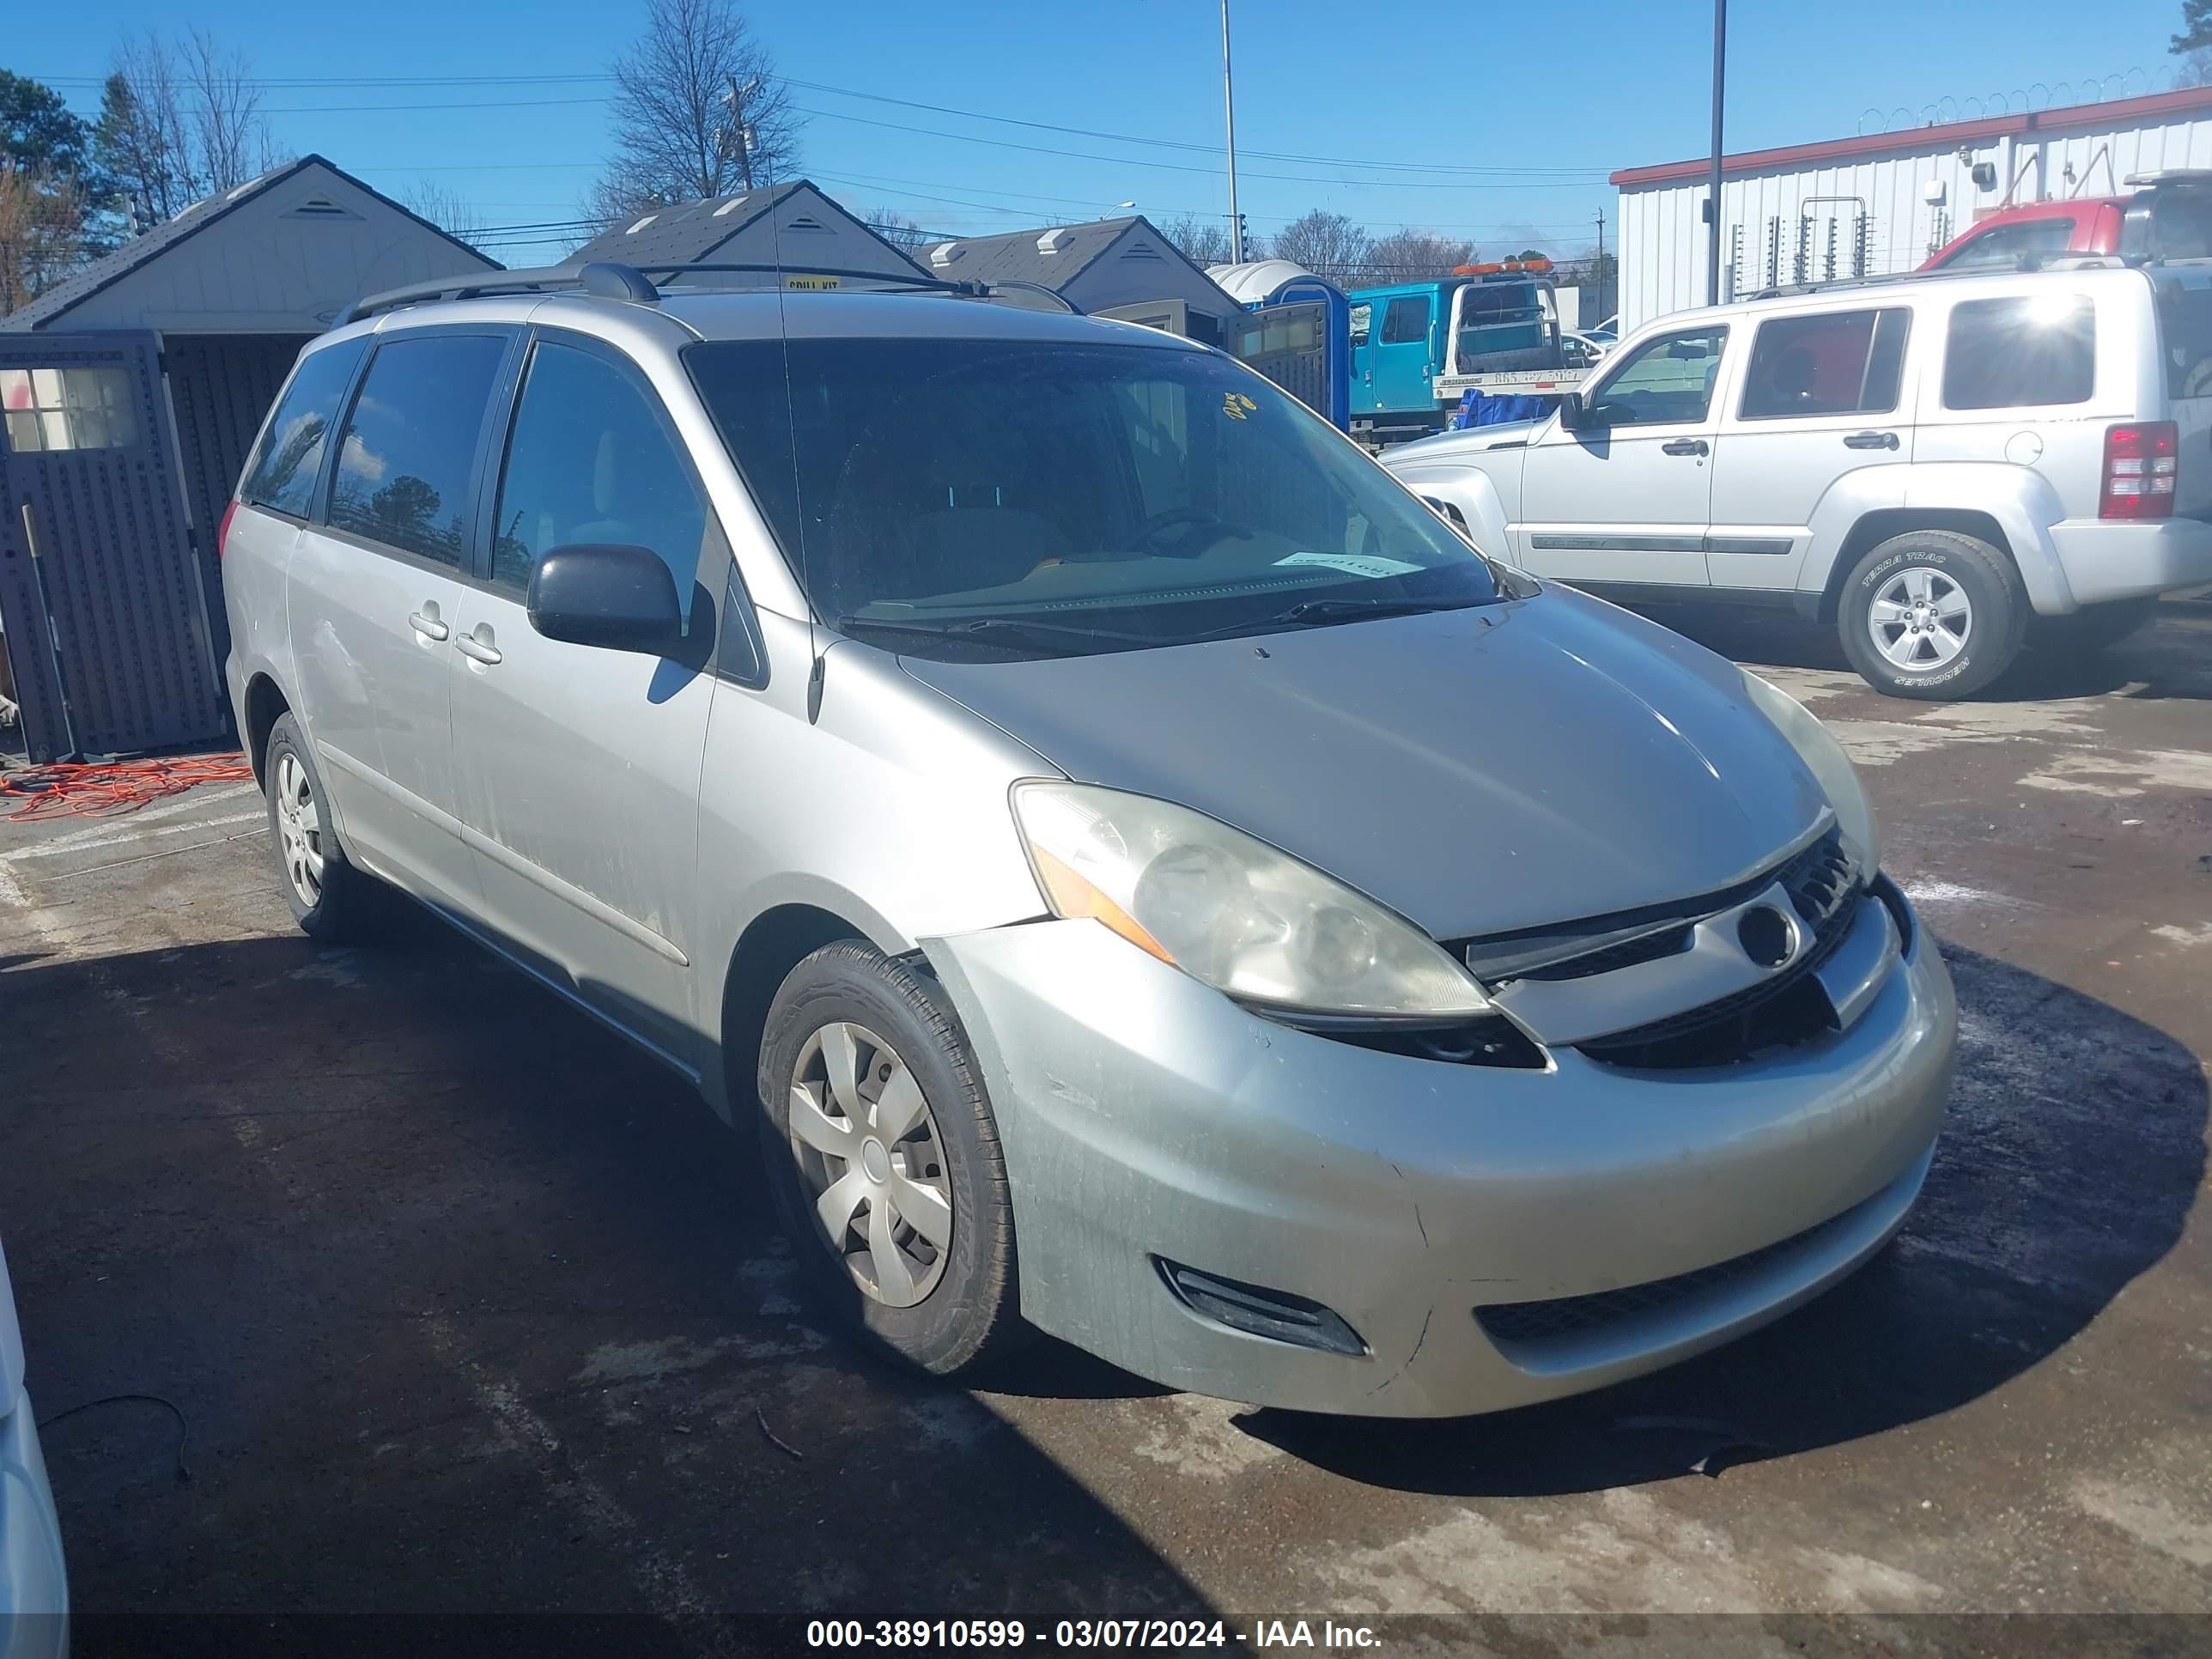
(809, 281)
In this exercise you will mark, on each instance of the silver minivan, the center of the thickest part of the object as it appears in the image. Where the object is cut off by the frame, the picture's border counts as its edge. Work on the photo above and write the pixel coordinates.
(1140, 872)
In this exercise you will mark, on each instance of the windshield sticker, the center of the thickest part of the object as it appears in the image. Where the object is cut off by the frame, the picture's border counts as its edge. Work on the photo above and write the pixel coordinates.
(1236, 406)
(1358, 564)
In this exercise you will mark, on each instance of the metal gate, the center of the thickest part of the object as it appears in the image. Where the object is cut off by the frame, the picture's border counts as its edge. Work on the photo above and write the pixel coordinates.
(99, 591)
(220, 386)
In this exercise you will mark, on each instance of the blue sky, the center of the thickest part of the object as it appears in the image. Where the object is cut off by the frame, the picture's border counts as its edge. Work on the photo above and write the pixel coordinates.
(1487, 85)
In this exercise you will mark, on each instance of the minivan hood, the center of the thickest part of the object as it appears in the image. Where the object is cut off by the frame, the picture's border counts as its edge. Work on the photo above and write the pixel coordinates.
(1477, 771)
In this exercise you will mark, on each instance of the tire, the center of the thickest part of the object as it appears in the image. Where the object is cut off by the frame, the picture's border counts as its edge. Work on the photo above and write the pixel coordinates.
(2093, 628)
(330, 898)
(1951, 609)
(948, 1306)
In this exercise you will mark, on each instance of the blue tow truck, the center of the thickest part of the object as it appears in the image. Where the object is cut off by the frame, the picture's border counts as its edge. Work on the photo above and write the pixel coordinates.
(1418, 348)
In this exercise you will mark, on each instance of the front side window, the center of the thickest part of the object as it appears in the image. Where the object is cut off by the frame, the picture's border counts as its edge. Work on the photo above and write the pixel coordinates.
(589, 461)
(976, 498)
(410, 443)
(283, 473)
(2020, 353)
(1840, 363)
(1664, 380)
(56, 408)
(1406, 319)
(2005, 244)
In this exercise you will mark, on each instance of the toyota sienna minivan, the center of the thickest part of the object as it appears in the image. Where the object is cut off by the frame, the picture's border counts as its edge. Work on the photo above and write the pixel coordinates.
(1139, 872)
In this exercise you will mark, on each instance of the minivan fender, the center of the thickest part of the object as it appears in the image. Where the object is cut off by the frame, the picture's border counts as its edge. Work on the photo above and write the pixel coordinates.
(1867, 507)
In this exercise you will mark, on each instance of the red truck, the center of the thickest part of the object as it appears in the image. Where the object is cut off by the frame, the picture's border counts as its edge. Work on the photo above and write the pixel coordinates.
(2165, 216)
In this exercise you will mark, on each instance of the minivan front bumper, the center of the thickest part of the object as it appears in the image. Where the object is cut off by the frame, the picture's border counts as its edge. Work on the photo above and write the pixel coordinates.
(1648, 1215)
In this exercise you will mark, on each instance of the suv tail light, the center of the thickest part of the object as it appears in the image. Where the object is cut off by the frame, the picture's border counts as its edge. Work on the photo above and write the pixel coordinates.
(222, 530)
(2141, 461)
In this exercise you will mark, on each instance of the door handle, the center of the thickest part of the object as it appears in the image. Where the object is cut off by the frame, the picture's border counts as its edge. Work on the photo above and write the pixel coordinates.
(428, 625)
(477, 647)
(1685, 446)
(1871, 441)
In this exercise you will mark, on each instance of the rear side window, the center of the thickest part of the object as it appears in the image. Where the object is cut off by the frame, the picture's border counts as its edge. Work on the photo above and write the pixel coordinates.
(2010, 354)
(410, 443)
(1406, 319)
(1361, 316)
(589, 461)
(283, 473)
(1842, 362)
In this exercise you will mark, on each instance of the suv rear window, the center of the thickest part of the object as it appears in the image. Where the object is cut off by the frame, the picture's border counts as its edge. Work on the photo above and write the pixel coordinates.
(1840, 363)
(2017, 353)
(410, 443)
(283, 473)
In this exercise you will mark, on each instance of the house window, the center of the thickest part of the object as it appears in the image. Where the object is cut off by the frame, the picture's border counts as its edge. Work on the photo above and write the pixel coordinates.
(50, 408)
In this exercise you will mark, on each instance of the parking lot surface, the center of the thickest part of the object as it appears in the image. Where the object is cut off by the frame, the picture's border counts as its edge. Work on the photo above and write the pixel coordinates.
(469, 1308)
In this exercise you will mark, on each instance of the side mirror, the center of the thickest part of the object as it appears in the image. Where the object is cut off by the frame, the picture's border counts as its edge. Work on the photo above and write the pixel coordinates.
(609, 594)
(1574, 414)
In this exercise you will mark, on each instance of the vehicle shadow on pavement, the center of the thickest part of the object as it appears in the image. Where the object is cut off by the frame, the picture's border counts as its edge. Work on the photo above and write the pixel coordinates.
(469, 1309)
(2074, 1151)
(2170, 659)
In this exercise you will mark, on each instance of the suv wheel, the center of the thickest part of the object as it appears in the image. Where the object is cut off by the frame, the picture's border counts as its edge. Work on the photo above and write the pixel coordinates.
(329, 897)
(885, 1160)
(1932, 614)
(2093, 628)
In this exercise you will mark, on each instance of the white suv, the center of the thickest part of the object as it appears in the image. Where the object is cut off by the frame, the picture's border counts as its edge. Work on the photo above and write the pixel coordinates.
(1944, 467)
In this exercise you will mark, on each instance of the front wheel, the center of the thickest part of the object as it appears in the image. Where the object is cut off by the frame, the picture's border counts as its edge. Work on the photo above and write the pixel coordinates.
(884, 1158)
(1932, 615)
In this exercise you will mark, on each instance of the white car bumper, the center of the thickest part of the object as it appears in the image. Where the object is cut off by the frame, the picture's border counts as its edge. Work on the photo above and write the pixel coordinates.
(2109, 559)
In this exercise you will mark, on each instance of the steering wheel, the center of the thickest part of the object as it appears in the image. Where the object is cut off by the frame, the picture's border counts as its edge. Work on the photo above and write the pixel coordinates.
(1149, 533)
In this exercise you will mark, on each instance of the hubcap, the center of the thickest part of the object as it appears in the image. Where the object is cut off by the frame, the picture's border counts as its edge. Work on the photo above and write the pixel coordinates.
(1920, 619)
(299, 829)
(871, 1159)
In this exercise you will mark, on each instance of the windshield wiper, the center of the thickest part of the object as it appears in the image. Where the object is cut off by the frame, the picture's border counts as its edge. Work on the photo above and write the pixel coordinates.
(995, 629)
(1319, 613)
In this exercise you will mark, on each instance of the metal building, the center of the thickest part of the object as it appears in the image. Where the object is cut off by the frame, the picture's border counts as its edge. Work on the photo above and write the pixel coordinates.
(128, 396)
(1883, 201)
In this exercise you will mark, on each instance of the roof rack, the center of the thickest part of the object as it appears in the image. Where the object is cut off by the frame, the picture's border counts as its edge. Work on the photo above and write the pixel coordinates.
(2027, 264)
(608, 280)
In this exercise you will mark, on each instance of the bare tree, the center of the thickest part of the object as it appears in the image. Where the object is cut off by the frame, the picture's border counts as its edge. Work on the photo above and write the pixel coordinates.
(42, 216)
(446, 208)
(1327, 244)
(179, 121)
(1205, 241)
(230, 135)
(699, 111)
(895, 228)
(1412, 256)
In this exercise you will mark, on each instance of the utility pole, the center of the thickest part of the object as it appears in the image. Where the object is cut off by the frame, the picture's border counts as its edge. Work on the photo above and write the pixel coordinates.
(738, 135)
(1229, 109)
(1713, 190)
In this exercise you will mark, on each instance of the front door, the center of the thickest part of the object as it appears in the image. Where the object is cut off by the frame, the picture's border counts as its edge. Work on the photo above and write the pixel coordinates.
(579, 766)
(376, 592)
(1404, 352)
(1625, 497)
(100, 594)
(1821, 415)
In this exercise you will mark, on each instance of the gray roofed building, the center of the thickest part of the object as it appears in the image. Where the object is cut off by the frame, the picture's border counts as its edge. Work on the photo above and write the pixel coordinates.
(792, 225)
(1122, 268)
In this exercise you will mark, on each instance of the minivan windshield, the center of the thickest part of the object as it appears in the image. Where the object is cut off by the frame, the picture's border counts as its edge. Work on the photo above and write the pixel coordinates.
(973, 499)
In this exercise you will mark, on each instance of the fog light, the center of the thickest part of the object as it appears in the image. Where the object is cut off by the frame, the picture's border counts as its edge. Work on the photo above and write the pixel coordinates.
(1257, 1312)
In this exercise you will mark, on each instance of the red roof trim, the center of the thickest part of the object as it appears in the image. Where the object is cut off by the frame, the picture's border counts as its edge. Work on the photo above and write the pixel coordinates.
(2187, 101)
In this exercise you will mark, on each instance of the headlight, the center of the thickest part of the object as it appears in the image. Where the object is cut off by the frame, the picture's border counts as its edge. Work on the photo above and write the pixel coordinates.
(1232, 911)
(1830, 767)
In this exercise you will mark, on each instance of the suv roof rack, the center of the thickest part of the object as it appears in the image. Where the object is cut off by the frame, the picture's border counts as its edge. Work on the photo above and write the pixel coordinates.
(608, 280)
(2028, 265)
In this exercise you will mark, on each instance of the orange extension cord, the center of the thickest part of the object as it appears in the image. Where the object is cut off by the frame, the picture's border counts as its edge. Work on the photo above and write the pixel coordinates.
(107, 789)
